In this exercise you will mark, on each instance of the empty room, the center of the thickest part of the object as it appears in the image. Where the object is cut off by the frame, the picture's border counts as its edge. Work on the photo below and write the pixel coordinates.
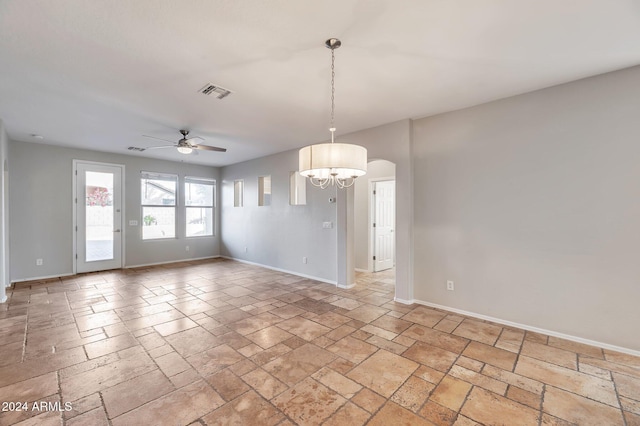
(349, 212)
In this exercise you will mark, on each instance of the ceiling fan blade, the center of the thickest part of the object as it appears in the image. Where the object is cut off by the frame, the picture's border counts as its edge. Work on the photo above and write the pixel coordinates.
(161, 146)
(192, 139)
(209, 148)
(160, 139)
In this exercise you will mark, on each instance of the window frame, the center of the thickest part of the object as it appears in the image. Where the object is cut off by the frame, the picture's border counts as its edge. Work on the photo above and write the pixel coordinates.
(201, 181)
(144, 175)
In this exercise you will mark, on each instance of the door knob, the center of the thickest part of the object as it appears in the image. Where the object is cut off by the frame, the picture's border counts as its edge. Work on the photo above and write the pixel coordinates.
(117, 230)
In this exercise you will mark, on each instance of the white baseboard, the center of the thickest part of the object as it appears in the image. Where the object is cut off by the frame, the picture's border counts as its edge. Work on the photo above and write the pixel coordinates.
(46, 277)
(403, 301)
(170, 261)
(346, 287)
(4, 299)
(273, 268)
(530, 328)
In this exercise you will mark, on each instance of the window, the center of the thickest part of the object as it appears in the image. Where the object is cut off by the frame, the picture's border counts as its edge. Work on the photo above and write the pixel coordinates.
(238, 193)
(297, 189)
(264, 191)
(158, 199)
(199, 196)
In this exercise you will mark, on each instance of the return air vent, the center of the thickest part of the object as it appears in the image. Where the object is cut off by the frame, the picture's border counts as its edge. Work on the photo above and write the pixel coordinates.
(217, 91)
(135, 148)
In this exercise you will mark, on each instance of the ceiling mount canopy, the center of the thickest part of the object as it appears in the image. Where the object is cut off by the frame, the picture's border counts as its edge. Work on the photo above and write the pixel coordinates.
(332, 163)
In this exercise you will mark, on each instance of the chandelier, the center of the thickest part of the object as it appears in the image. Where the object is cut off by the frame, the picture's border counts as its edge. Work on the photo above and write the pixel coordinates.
(332, 163)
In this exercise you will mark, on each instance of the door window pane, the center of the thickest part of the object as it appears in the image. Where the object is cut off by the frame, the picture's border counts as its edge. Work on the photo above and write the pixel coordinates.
(99, 219)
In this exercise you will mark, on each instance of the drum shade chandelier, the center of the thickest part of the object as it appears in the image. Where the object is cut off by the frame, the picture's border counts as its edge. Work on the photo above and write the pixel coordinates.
(332, 163)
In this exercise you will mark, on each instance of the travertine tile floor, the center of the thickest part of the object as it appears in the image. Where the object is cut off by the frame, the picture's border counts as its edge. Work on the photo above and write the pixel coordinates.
(220, 342)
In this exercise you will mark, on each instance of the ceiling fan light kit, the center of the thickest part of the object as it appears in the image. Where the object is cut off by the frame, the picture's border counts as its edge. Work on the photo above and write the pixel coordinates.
(331, 163)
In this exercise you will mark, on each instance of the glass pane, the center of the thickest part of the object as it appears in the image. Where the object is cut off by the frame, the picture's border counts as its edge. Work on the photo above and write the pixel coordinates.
(99, 216)
(199, 221)
(158, 222)
(297, 189)
(198, 194)
(158, 192)
(264, 191)
(238, 193)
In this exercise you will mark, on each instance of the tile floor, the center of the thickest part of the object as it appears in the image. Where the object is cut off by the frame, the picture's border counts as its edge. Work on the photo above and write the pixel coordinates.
(220, 342)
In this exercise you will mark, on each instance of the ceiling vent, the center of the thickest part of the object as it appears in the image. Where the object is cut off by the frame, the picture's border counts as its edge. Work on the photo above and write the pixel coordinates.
(217, 91)
(135, 148)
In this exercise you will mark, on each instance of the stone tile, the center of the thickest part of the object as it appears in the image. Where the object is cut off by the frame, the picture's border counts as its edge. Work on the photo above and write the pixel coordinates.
(627, 386)
(294, 366)
(83, 405)
(352, 349)
(264, 383)
(413, 393)
(620, 358)
(247, 409)
(349, 414)
(450, 393)
(431, 356)
(368, 400)
(632, 419)
(101, 319)
(174, 326)
(393, 414)
(383, 372)
(107, 346)
(215, 359)
(366, 313)
(181, 406)
(268, 337)
(227, 384)
(513, 379)
(470, 364)
(579, 410)
(303, 328)
(550, 354)
(446, 326)
(576, 347)
(438, 414)
(331, 319)
(437, 338)
(478, 379)
(337, 382)
(31, 389)
(491, 409)
(254, 323)
(309, 402)
(563, 378)
(172, 364)
(192, 341)
(522, 396)
(630, 405)
(424, 316)
(429, 374)
(490, 355)
(346, 303)
(392, 324)
(479, 331)
(130, 394)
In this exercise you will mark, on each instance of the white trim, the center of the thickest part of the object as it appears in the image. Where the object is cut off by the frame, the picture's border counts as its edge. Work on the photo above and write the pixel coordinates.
(346, 287)
(311, 277)
(170, 261)
(403, 301)
(4, 299)
(531, 328)
(46, 277)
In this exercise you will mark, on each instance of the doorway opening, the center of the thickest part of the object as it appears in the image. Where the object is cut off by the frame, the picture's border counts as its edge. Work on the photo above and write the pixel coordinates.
(374, 223)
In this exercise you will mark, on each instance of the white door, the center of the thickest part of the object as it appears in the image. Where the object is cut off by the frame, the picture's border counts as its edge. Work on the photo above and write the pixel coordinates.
(98, 204)
(384, 216)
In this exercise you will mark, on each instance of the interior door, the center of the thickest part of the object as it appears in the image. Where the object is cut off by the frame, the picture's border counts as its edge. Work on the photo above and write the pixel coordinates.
(98, 204)
(384, 199)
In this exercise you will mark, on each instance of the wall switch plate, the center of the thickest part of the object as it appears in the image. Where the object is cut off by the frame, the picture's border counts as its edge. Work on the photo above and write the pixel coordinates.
(450, 285)
(133, 223)
(327, 225)
(304, 259)
(186, 248)
(38, 262)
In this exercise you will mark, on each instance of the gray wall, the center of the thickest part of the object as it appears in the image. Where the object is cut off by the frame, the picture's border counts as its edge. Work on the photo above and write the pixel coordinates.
(376, 170)
(531, 205)
(279, 235)
(41, 210)
(4, 213)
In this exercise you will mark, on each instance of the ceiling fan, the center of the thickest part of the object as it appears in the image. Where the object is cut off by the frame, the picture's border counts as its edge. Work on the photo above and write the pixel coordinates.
(185, 145)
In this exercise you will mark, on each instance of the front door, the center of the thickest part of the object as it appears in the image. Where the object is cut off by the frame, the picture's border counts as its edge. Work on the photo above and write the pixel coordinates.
(384, 200)
(98, 205)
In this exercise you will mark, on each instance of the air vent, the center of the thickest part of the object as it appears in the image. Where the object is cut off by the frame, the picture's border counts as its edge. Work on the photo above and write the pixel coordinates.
(135, 148)
(217, 91)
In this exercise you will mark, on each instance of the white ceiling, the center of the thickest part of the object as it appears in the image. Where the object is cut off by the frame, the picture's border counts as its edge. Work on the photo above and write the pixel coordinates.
(98, 74)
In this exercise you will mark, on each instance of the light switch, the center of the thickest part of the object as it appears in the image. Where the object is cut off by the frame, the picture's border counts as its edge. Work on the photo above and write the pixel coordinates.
(327, 225)
(133, 223)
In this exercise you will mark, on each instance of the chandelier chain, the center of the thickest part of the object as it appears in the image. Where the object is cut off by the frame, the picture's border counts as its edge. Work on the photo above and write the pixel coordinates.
(333, 87)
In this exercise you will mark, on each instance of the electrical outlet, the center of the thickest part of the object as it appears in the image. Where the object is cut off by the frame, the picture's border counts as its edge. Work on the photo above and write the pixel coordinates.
(450, 285)
(38, 262)
(186, 248)
(304, 260)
